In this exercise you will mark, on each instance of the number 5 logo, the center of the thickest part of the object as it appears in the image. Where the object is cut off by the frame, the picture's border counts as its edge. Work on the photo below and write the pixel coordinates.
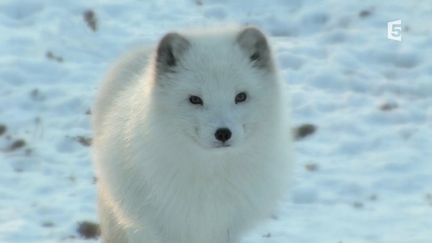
(394, 30)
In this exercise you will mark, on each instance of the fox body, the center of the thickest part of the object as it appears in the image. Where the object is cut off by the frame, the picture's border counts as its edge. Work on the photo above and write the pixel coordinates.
(191, 139)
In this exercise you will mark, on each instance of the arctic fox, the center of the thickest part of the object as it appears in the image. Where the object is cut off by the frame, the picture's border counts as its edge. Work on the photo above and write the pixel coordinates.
(191, 139)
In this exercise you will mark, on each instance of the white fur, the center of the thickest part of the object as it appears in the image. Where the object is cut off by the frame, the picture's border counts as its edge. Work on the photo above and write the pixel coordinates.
(160, 177)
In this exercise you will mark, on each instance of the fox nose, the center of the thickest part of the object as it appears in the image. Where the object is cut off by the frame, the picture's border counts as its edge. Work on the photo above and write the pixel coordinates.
(223, 134)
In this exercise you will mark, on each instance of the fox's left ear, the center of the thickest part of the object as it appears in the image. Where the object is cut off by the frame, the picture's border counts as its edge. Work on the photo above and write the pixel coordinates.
(169, 51)
(256, 47)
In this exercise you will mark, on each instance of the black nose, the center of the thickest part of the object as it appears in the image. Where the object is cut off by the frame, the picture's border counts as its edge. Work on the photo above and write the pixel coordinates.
(223, 134)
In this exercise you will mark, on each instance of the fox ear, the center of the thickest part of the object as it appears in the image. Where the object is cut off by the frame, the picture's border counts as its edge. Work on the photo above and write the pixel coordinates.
(256, 47)
(169, 51)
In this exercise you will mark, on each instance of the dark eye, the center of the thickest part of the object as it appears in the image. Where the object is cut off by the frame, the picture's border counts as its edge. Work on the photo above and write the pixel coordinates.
(240, 97)
(195, 100)
(254, 56)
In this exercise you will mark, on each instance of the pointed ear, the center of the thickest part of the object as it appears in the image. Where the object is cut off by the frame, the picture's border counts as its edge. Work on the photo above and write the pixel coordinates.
(256, 47)
(169, 51)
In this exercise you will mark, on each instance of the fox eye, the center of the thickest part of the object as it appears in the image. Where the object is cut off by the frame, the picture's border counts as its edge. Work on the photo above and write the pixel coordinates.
(195, 100)
(255, 56)
(240, 97)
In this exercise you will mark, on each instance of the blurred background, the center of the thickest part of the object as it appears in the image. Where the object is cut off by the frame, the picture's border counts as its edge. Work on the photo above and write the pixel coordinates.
(361, 93)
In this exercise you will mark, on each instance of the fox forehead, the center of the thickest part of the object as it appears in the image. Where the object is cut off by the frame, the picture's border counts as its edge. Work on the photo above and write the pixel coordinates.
(215, 53)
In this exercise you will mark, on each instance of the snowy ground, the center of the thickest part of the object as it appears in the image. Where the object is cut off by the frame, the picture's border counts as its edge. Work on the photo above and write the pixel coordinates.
(365, 176)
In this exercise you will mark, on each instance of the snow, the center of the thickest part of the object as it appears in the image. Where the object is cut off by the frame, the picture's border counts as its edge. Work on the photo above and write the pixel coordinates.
(364, 176)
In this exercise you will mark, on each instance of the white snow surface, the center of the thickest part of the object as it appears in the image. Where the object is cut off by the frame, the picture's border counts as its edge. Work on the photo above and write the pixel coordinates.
(365, 175)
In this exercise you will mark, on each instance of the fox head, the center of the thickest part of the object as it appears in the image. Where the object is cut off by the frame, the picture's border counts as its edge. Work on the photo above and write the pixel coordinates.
(218, 89)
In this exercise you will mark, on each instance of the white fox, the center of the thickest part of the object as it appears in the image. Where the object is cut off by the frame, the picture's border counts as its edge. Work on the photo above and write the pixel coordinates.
(191, 139)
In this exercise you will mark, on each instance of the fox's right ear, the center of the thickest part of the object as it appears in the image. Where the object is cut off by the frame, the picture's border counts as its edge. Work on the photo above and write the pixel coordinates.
(256, 47)
(169, 51)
